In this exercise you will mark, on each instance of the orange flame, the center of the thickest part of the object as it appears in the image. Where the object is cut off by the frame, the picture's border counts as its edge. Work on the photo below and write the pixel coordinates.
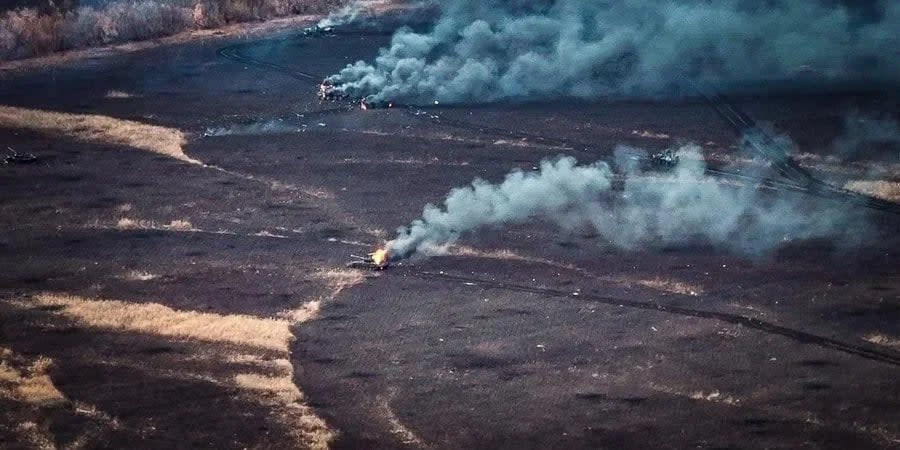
(380, 257)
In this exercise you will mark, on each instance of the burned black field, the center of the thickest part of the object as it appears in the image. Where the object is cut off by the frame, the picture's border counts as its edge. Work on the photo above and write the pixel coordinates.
(173, 271)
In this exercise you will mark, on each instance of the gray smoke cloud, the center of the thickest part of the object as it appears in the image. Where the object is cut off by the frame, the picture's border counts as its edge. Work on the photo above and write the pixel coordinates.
(864, 133)
(681, 206)
(493, 50)
(347, 14)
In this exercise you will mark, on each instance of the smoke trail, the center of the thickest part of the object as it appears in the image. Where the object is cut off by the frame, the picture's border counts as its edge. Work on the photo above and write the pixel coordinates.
(682, 206)
(493, 50)
(558, 188)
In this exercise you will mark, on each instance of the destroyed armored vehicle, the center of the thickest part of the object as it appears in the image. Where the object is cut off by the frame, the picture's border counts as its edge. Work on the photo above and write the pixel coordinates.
(377, 260)
(367, 103)
(14, 157)
(318, 30)
(327, 91)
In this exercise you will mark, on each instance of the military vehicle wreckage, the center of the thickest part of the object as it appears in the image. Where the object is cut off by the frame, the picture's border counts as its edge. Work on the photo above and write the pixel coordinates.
(377, 260)
(318, 30)
(328, 92)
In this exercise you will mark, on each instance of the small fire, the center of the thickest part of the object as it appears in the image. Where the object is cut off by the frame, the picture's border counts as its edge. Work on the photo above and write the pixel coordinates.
(380, 257)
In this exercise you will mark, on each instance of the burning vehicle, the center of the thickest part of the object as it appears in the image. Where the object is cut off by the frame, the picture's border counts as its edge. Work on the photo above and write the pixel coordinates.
(327, 91)
(377, 260)
(367, 103)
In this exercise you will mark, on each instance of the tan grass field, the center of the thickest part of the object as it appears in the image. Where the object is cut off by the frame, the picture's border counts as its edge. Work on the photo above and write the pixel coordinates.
(26, 380)
(160, 320)
(271, 384)
(97, 129)
(883, 189)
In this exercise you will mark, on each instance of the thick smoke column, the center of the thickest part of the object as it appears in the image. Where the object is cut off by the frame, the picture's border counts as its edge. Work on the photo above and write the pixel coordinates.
(682, 206)
(559, 188)
(493, 50)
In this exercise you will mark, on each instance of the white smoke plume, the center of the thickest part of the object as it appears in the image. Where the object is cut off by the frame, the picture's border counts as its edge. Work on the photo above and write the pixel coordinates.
(682, 206)
(347, 14)
(864, 133)
(494, 50)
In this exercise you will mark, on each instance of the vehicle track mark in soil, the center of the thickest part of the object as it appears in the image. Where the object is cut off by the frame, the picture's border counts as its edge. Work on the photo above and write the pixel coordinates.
(233, 53)
(397, 428)
(750, 322)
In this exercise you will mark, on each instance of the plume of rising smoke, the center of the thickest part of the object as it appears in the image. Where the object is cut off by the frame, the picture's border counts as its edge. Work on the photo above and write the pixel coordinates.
(862, 133)
(348, 14)
(683, 206)
(492, 50)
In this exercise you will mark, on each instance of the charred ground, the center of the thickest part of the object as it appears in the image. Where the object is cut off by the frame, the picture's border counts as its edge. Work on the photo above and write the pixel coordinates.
(517, 339)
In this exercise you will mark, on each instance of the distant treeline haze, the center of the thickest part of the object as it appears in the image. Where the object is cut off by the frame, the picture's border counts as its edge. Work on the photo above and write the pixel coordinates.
(30, 29)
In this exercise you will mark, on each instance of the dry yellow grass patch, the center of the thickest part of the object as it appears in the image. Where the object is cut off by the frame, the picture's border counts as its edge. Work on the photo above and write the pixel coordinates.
(400, 430)
(337, 280)
(281, 386)
(131, 224)
(27, 382)
(35, 436)
(885, 190)
(117, 94)
(881, 339)
(126, 223)
(306, 312)
(138, 275)
(270, 381)
(279, 390)
(340, 279)
(99, 129)
(673, 286)
(180, 225)
(160, 320)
